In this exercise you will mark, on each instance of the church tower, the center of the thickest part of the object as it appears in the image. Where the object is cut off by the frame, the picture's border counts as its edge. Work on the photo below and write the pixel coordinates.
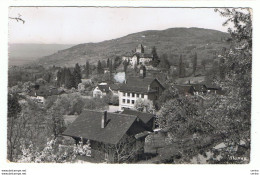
(139, 49)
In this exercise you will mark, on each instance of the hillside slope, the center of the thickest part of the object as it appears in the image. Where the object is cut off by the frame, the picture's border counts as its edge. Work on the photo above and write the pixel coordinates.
(172, 41)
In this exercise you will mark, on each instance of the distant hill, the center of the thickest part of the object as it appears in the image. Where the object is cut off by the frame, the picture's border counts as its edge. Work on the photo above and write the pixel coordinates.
(20, 54)
(172, 41)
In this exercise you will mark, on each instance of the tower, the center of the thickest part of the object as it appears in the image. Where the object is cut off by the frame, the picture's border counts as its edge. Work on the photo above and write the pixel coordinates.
(139, 49)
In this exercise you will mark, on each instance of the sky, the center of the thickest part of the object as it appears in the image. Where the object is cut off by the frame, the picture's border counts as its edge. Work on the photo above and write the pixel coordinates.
(75, 25)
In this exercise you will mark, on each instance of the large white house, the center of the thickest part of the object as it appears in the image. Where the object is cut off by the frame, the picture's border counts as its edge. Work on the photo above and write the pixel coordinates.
(139, 57)
(141, 87)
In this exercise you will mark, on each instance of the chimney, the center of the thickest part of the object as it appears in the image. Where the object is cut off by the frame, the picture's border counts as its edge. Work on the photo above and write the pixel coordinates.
(104, 120)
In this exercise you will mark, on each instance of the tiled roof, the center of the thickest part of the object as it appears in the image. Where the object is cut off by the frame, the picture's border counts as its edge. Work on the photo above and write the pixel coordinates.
(88, 125)
(145, 117)
(136, 84)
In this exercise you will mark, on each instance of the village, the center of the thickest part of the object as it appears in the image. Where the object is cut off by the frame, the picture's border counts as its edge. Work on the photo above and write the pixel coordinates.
(114, 109)
(129, 89)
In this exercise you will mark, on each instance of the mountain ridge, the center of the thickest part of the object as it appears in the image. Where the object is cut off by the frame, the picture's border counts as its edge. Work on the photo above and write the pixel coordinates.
(172, 41)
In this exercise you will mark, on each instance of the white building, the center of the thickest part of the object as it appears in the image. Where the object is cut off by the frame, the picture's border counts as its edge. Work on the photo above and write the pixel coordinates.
(139, 57)
(142, 87)
(101, 90)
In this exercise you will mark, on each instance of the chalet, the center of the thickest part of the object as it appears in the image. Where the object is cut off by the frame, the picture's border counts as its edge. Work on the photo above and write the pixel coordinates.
(108, 133)
(101, 90)
(138, 57)
(142, 87)
(147, 118)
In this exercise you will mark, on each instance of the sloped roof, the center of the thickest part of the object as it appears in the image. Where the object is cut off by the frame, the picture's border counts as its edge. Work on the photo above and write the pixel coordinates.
(88, 125)
(138, 84)
(210, 86)
(199, 87)
(185, 88)
(44, 91)
(103, 88)
(145, 117)
(145, 55)
(115, 87)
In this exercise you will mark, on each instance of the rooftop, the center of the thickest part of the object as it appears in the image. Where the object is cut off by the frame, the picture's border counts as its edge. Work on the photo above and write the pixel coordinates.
(145, 117)
(88, 125)
(138, 84)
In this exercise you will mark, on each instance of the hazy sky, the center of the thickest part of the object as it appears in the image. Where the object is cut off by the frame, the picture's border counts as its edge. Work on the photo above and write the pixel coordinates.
(74, 25)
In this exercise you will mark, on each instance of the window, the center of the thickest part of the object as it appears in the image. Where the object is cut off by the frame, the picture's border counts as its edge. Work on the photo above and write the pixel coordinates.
(133, 102)
(123, 94)
(123, 100)
(137, 95)
(142, 95)
(128, 101)
(133, 95)
(128, 94)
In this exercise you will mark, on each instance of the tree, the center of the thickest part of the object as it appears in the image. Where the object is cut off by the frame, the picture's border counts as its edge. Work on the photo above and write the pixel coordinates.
(168, 94)
(87, 69)
(76, 76)
(194, 65)
(181, 68)
(164, 63)
(14, 109)
(125, 151)
(55, 151)
(111, 70)
(69, 81)
(99, 68)
(155, 60)
(29, 124)
(117, 62)
(144, 105)
(108, 63)
(177, 115)
(233, 110)
(125, 63)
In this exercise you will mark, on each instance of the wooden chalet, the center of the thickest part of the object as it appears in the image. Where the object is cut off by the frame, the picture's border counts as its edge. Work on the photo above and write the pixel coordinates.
(105, 131)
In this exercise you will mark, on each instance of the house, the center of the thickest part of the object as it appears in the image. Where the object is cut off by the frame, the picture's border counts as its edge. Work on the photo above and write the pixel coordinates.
(213, 89)
(198, 89)
(142, 87)
(139, 57)
(109, 134)
(40, 93)
(147, 118)
(185, 89)
(101, 90)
